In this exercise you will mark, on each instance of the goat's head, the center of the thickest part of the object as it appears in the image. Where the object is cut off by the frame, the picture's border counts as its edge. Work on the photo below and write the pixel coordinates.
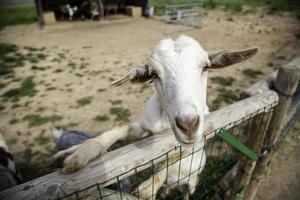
(178, 70)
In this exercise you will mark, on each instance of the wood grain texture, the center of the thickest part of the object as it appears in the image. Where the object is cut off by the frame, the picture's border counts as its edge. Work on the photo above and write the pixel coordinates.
(258, 129)
(287, 83)
(112, 164)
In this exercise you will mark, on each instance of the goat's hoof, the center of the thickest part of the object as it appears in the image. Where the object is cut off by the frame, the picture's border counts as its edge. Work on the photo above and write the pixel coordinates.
(81, 156)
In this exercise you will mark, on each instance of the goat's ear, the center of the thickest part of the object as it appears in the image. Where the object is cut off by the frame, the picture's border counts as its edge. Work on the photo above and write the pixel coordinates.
(226, 58)
(136, 75)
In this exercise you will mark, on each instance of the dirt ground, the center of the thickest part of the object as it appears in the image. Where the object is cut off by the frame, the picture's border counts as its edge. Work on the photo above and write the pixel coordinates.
(84, 57)
(282, 180)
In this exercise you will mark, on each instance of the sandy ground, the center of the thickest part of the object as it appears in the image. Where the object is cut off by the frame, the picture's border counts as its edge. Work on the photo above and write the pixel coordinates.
(282, 180)
(107, 51)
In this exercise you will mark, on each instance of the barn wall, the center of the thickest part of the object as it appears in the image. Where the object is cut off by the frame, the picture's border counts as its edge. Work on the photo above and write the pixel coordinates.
(142, 3)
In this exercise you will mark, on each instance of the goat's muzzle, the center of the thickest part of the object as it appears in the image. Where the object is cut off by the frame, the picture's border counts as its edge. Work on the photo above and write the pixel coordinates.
(188, 125)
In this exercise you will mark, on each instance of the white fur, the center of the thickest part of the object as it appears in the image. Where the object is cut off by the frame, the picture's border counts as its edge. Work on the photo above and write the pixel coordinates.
(180, 91)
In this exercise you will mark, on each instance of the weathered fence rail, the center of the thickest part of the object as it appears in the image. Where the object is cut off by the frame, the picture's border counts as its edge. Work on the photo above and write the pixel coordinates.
(122, 163)
(286, 85)
(117, 162)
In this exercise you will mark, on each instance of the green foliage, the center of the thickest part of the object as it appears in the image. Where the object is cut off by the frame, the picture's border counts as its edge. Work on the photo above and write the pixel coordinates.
(72, 65)
(234, 7)
(224, 96)
(84, 101)
(159, 6)
(41, 139)
(58, 71)
(115, 102)
(215, 169)
(101, 90)
(27, 154)
(101, 118)
(12, 141)
(10, 58)
(6, 48)
(270, 64)
(51, 88)
(276, 6)
(37, 120)
(223, 81)
(144, 87)
(122, 114)
(66, 126)
(2, 108)
(27, 88)
(31, 49)
(210, 4)
(5, 69)
(13, 120)
(13, 15)
(208, 185)
(15, 105)
(251, 73)
(2, 85)
(34, 67)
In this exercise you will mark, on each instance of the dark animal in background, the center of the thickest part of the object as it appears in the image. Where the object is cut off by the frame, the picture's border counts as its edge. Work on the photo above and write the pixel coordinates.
(67, 139)
(114, 6)
(86, 9)
(9, 173)
(89, 9)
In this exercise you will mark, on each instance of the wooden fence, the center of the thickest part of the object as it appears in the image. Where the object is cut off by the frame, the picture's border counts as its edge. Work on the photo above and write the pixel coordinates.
(273, 95)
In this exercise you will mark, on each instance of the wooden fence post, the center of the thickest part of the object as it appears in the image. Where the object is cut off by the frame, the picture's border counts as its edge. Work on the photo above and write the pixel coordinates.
(246, 166)
(285, 85)
(39, 12)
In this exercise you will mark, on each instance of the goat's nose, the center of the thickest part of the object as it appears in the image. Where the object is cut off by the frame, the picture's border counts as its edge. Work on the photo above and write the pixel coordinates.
(188, 124)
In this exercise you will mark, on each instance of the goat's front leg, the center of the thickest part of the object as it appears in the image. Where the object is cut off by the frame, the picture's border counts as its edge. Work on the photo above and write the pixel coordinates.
(149, 188)
(78, 156)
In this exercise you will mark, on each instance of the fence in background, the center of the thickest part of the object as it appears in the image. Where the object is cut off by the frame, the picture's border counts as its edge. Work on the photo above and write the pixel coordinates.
(183, 13)
(268, 110)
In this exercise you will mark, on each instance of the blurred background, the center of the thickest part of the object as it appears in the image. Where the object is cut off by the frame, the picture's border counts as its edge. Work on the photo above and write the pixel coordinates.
(58, 57)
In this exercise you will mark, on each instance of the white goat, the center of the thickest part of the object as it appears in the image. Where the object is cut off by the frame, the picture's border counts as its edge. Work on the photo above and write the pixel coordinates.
(179, 71)
(70, 11)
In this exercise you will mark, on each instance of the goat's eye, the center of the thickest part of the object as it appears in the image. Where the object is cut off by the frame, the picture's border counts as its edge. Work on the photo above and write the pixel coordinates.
(154, 76)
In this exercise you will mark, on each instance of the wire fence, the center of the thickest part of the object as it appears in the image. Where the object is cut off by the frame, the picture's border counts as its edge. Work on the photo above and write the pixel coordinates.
(187, 14)
(181, 173)
(155, 168)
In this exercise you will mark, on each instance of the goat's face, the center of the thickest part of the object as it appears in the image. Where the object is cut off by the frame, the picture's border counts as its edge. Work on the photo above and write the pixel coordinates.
(178, 70)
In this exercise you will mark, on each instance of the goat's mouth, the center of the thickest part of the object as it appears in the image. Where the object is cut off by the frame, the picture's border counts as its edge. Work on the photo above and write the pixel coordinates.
(188, 143)
(183, 139)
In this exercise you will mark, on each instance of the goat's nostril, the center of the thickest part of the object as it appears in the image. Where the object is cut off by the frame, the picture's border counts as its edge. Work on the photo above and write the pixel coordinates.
(188, 124)
(180, 124)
